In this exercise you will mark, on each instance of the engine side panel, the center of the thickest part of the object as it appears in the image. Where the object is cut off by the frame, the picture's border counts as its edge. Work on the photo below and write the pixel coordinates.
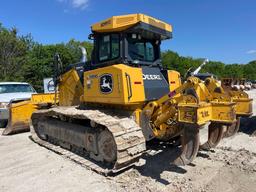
(155, 84)
(117, 84)
(126, 85)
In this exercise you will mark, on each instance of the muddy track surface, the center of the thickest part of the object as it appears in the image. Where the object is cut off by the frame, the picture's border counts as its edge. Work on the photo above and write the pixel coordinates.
(127, 135)
(25, 166)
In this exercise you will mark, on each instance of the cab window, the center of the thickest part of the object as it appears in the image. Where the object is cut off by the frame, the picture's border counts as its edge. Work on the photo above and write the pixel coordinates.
(109, 47)
(141, 49)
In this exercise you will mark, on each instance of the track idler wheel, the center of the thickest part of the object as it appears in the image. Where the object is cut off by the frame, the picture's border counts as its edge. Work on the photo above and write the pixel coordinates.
(215, 134)
(233, 129)
(189, 145)
(40, 130)
(107, 146)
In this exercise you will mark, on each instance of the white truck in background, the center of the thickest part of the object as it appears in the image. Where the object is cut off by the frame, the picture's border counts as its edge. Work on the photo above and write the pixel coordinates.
(12, 92)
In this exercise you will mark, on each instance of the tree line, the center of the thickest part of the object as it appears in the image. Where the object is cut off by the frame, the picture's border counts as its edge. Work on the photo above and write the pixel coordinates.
(23, 59)
(173, 60)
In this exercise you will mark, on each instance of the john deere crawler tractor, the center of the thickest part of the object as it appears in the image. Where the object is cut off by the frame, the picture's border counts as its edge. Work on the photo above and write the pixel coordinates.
(111, 106)
(126, 99)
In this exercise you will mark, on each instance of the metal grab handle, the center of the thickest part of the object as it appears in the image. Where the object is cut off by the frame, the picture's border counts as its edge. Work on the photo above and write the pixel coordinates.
(129, 86)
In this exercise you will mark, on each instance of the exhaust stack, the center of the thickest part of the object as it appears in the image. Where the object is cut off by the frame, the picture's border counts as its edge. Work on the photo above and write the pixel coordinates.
(84, 54)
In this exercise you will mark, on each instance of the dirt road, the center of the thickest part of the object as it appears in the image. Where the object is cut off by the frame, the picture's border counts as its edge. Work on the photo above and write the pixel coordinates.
(25, 166)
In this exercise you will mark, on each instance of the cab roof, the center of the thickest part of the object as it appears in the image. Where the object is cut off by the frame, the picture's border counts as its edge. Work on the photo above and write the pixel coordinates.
(123, 22)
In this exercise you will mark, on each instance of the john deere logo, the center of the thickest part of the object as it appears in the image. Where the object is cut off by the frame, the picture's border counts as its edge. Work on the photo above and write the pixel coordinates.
(106, 83)
(105, 23)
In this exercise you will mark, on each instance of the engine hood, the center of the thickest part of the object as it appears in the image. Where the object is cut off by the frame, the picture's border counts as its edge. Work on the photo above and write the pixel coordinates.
(7, 97)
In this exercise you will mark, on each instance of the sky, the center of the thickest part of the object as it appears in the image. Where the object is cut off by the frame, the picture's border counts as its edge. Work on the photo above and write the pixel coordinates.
(220, 30)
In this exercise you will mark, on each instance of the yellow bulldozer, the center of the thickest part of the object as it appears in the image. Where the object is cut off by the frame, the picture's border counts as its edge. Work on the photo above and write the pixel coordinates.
(110, 107)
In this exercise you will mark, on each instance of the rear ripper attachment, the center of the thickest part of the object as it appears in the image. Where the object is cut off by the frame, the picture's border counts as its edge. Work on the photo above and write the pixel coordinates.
(243, 104)
(224, 92)
(183, 112)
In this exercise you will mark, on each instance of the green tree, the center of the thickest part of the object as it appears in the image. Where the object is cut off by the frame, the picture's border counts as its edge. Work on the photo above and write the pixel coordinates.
(250, 70)
(40, 60)
(234, 71)
(13, 51)
(216, 68)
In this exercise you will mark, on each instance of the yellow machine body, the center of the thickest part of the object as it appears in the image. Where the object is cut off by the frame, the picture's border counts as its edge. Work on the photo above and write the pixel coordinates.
(128, 91)
(128, 85)
(243, 105)
(174, 79)
(70, 88)
(128, 88)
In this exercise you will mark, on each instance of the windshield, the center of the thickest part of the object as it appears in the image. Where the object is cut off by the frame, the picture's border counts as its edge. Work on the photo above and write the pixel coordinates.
(16, 88)
(142, 49)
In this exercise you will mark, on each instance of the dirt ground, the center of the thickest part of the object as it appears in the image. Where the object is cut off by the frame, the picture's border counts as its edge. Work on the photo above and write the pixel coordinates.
(25, 166)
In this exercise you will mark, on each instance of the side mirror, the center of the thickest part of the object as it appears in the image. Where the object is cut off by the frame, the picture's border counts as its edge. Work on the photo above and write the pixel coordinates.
(91, 36)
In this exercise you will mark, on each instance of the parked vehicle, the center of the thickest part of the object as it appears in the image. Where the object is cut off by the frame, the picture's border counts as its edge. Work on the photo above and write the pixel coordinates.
(12, 92)
(254, 84)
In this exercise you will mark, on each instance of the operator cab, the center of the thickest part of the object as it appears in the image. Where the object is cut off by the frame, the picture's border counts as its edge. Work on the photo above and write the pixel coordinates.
(132, 39)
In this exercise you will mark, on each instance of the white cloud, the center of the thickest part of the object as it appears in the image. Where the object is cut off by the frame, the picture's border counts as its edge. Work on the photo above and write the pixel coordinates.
(82, 4)
(253, 51)
(78, 4)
